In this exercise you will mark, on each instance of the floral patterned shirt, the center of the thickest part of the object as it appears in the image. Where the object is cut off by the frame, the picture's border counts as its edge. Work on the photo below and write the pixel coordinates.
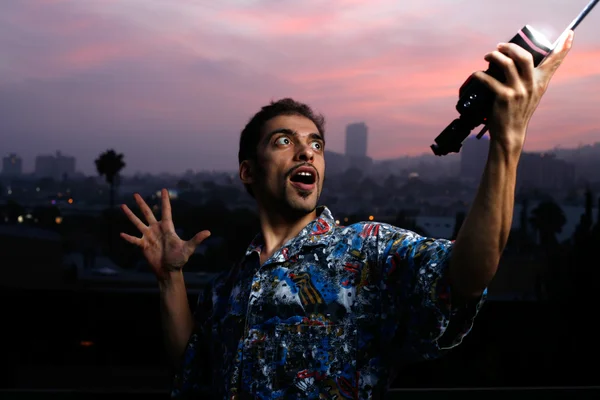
(330, 315)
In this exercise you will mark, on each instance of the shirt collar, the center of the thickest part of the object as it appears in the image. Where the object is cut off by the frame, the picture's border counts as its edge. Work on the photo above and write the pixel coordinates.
(318, 232)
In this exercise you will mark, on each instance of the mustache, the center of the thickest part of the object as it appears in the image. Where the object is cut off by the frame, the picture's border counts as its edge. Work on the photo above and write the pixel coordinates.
(291, 170)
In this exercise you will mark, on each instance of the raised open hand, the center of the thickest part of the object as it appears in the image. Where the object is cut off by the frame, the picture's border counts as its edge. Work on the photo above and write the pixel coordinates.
(163, 249)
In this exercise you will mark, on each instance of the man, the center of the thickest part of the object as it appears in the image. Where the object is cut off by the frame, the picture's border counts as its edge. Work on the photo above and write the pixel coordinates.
(316, 310)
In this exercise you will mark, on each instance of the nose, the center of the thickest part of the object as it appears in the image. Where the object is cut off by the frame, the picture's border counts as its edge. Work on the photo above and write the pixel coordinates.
(305, 153)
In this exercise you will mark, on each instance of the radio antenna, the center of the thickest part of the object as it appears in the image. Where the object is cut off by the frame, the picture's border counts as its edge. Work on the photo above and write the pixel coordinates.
(578, 19)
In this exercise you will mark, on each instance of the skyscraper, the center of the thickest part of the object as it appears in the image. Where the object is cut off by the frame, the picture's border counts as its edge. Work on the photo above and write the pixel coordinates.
(57, 167)
(356, 140)
(473, 156)
(12, 165)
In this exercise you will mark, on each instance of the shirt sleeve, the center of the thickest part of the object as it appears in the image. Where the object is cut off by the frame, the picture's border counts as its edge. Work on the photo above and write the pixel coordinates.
(194, 378)
(421, 316)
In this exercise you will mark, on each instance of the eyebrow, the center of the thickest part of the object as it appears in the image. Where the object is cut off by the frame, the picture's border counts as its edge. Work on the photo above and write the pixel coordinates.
(291, 132)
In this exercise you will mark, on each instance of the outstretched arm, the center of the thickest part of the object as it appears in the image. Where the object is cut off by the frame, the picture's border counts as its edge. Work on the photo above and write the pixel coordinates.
(484, 233)
(167, 254)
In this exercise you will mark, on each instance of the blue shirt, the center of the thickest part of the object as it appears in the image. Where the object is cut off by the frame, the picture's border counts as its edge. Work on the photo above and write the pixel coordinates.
(333, 313)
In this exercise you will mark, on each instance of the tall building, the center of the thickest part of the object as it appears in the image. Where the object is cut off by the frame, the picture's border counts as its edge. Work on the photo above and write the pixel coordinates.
(12, 165)
(57, 167)
(473, 156)
(356, 140)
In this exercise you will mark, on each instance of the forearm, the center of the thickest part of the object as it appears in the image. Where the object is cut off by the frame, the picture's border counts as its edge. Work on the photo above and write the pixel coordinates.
(176, 316)
(484, 233)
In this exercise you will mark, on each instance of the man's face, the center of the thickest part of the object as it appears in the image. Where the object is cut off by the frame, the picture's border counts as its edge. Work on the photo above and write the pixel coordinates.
(291, 164)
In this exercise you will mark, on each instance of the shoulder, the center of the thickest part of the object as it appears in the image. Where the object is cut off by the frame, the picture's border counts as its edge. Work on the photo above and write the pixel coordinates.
(215, 286)
(381, 230)
(367, 238)
(371, 237)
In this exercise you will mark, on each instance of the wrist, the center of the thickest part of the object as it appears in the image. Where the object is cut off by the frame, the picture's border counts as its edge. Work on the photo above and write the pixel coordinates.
(170, 280)
(509, 147)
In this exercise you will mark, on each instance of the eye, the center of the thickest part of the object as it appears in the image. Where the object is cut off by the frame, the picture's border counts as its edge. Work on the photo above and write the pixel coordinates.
(283, 140)
(317, 146)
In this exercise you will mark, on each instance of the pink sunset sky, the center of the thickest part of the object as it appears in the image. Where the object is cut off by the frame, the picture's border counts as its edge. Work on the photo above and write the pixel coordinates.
(171, 83)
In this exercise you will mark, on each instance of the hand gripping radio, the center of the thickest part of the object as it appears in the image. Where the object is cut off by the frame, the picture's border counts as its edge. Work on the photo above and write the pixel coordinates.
(476, 100)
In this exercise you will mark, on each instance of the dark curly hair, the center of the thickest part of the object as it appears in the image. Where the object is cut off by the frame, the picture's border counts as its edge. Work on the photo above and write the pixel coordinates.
(250, 136)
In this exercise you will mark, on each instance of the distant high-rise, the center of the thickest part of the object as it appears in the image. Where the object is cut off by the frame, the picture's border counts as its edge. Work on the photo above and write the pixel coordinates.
(473, 156)
(12, 165)
(57, 167)
(356, 140)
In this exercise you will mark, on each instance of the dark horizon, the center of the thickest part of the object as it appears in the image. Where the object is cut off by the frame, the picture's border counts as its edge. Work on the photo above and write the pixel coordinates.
(90, 170)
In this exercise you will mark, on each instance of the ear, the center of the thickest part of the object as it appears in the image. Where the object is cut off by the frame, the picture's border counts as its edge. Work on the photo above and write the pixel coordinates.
(246, 172)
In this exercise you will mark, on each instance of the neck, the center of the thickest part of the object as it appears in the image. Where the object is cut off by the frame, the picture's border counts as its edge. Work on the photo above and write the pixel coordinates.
(277, 228)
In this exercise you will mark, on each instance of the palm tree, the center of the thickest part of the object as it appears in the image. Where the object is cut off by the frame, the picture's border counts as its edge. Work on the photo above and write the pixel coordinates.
(110, 164)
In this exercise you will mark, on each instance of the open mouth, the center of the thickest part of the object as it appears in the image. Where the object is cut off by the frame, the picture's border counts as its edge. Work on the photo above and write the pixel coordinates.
(304, 178)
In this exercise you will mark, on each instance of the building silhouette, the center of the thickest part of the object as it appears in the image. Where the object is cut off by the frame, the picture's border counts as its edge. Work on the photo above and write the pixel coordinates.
(473, 156)
(336, 162)
(56, 167)
(356, 146)
(535, 170)
(544, 171)
(356, 140)
(12, 165)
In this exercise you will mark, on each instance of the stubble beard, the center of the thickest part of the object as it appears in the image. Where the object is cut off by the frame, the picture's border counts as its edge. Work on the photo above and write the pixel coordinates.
(299, 207)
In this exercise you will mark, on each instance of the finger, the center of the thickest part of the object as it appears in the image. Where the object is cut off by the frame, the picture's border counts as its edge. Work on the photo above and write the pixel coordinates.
(131, 239)
(200, 237)
(553, 61)
(521, 57)
(133, 218)
(506, 64)
(197, 239)
(166, 205)
(145, 209)
(492, 83)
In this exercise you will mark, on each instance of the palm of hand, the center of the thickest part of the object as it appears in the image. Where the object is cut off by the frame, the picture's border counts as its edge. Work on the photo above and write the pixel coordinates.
(163, 248)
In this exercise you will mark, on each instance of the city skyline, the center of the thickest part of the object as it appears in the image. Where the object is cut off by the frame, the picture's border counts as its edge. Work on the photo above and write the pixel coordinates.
(171, 85)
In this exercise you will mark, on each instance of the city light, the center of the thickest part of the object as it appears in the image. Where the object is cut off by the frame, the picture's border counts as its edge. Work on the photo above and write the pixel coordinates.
(70, 201)
(58, 220)
(173, 194)
(37, 189)
(371, 218)
(20, 219)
